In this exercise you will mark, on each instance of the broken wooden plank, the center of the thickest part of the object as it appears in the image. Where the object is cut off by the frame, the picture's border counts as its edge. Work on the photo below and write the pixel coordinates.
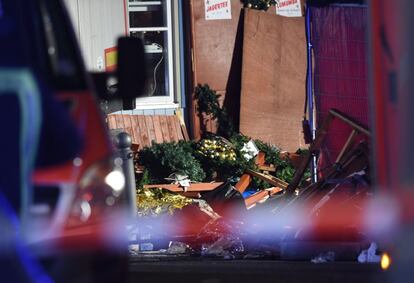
(243, 183)
(182, 124)
(350, 122)
(177, 126)
(274, 190)
(268, 168)
(268, 178)
(261, 196)
(347, 145)
(317, 143)
(354, 160)
(194, 187)
(190, 194)
(313, 149)
(255, 198)
(260, 158)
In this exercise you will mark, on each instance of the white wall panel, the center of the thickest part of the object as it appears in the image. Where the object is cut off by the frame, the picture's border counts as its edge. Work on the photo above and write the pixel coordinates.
(98, 24)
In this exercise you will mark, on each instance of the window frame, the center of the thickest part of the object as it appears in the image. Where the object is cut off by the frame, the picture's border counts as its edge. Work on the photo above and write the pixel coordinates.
(167, 101)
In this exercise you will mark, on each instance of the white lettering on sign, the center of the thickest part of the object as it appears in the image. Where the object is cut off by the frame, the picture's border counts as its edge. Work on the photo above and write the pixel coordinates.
(289, 8)
(217, 9)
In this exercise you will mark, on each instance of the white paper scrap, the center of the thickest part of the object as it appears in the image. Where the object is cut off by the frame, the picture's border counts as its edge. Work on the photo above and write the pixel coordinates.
(249, 150)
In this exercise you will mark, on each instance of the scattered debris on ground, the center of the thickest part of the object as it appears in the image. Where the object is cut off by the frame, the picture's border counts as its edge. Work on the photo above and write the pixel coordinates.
(235, 197)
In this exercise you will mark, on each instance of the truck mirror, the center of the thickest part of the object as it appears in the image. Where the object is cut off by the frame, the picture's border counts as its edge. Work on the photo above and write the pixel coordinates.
(131, 72)
(105, 85)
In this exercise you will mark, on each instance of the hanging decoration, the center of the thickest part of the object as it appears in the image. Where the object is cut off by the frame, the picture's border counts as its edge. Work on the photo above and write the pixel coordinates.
(259, 4)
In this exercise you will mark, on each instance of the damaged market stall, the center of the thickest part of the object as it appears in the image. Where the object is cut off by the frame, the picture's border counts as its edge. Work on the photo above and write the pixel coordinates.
(227, 230)
(346, 185)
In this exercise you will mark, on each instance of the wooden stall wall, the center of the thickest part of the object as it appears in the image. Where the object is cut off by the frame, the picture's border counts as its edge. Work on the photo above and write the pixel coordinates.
(273, 78)
(216, 59)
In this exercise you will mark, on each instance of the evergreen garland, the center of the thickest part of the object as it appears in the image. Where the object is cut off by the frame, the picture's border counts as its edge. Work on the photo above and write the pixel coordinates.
(163, 159)
(207, 103)
(220, 159)
(210, 159)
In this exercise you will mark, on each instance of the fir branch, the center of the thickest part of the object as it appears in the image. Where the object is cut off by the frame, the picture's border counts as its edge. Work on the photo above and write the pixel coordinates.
(207, 103)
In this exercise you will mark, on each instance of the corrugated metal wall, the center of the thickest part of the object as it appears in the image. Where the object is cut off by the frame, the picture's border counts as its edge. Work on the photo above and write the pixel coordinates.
(98, 24)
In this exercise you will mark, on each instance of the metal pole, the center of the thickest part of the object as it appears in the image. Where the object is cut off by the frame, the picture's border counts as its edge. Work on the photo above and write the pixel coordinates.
(123, 143)
(309, 88)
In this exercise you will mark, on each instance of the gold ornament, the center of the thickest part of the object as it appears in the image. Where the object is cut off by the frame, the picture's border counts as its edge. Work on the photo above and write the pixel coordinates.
(157, 201)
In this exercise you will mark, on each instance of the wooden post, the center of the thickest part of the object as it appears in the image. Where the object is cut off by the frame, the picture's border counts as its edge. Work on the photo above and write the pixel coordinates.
(315, 146)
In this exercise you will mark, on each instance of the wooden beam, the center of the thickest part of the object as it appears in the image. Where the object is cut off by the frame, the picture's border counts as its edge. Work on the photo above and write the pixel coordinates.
(260, 158)
(274, 190)
(346, 146)
(182, 124)
(194, 187)
(191, 194)
(268, 178)
(355, 125)
(314, 148)
(267, 168)
(317, 143)
(255, 198)
(243, 183)
(261, 196)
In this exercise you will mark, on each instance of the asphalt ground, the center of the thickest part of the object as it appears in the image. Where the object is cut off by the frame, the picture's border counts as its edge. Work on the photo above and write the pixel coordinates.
(218, 271)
